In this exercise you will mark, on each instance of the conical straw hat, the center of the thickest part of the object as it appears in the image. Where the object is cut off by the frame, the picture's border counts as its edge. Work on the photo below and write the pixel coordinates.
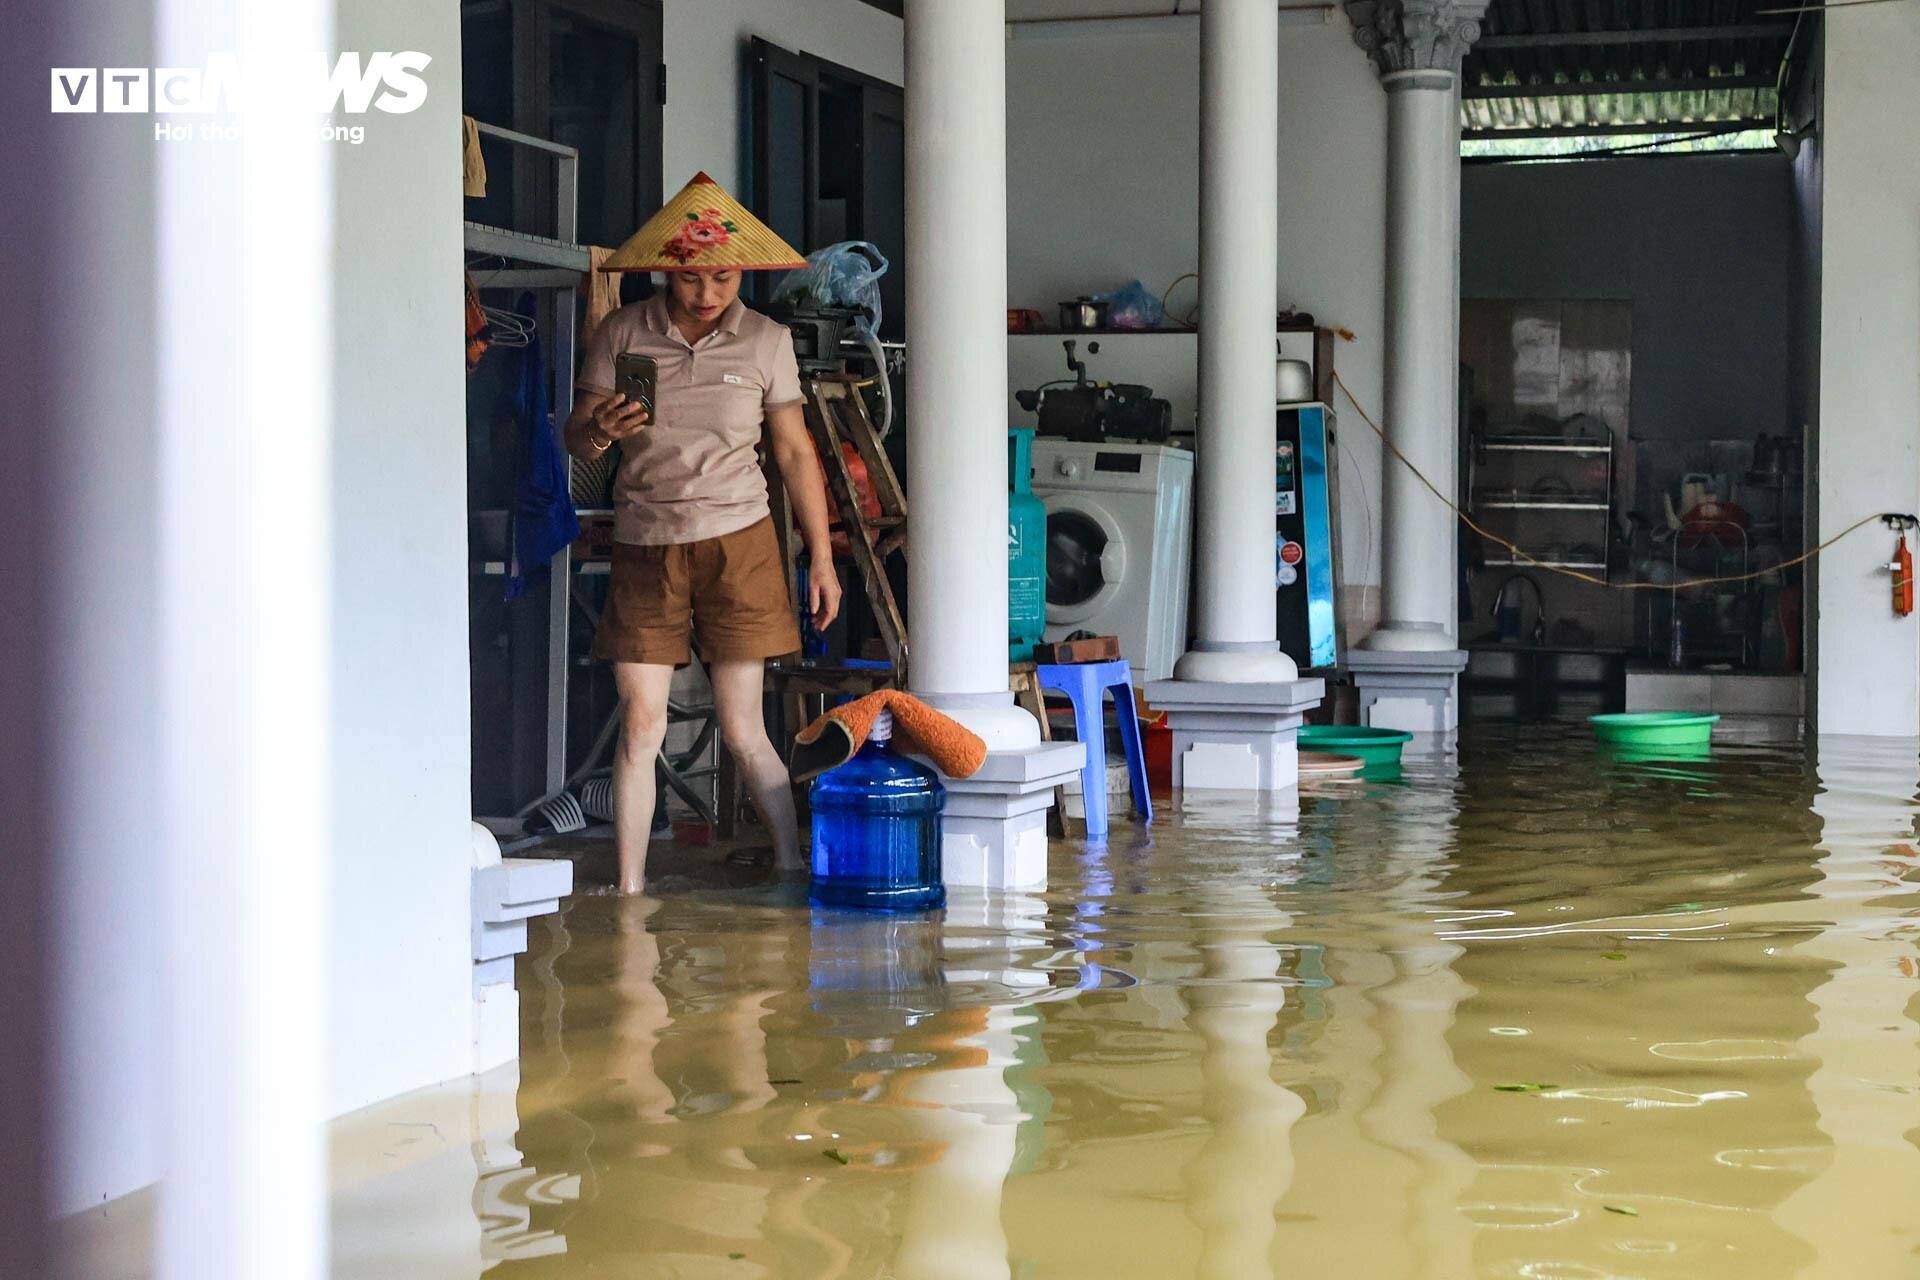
(704, 229)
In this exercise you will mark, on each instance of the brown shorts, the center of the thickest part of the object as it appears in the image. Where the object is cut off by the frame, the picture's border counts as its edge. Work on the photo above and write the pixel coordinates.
(730, 592)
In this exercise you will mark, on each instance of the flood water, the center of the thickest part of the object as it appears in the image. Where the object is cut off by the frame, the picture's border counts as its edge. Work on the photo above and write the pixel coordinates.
(1528, 1012)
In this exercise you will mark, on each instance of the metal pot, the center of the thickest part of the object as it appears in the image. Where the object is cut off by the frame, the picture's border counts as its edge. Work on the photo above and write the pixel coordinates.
(1292, 381)
(1083, 314)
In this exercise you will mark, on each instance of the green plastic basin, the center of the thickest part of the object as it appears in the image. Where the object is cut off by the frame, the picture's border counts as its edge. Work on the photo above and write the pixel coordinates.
(1643, 730)
(1377, 749)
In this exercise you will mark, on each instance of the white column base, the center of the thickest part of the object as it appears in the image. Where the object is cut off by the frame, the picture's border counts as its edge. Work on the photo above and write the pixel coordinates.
(1236, 666)
(1408, 637)
(993, 834)
(1001, 723)
(1232, 736)
(507, 892)
(1414, 690)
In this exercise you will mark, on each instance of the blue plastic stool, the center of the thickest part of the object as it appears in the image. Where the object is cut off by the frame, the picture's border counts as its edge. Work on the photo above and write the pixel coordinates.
(1084, 683)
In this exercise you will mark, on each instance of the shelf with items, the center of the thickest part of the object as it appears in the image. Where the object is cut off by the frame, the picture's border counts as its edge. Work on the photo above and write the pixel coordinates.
(1553, 498)
(1516, 562)
(528, 689)
(1509, 504)
(1711, 621)
(1546, 446)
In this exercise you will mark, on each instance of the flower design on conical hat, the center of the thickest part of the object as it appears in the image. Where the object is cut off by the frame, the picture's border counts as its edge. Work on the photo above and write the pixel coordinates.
(704, 229)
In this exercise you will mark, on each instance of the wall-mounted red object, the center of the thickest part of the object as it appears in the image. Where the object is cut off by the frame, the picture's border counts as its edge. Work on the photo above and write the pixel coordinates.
(1901, 567)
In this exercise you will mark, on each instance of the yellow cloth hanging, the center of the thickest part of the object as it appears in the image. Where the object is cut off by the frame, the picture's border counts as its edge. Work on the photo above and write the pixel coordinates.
(603, 290)
(473, 166)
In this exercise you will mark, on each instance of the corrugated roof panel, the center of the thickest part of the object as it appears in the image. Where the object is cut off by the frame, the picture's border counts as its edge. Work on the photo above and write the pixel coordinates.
(1553, 64)
(1610, 111)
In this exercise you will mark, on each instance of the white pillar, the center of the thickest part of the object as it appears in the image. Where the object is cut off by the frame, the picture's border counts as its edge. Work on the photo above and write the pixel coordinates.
(1408, 668)
(1235, 621)
(1235, 699)
(994, 830)
(1419, 590)
(956, 71)
(244, 425)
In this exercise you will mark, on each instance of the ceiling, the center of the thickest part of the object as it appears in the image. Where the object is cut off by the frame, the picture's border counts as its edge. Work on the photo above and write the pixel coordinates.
(1581, 67)
(1546, 67)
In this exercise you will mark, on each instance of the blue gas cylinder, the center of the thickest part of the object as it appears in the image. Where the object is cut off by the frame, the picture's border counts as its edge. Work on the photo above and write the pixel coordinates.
(1026, 550)
(876, 830)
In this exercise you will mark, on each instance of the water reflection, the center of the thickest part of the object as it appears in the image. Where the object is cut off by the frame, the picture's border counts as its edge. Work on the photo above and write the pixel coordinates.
(1628, 927)
(1237, 1178)
(1530, 1011)
(1856, 1211)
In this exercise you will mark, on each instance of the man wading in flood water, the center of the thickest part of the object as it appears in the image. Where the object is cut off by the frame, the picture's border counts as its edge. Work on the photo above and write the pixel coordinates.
(695, 555)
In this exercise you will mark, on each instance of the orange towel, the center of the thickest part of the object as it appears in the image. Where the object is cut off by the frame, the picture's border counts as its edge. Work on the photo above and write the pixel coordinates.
(955, 750)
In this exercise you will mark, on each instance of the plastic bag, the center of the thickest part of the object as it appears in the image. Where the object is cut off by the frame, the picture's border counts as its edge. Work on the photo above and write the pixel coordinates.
(841, 275)
(847, 275)
(1132, 307)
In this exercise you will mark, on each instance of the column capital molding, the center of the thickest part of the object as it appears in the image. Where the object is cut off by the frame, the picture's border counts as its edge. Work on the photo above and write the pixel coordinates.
(1415, 35)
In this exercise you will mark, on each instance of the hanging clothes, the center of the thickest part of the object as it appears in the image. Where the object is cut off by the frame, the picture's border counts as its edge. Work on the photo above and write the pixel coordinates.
(602, 289)
(543, 516)
(479, 332)
(473, 165)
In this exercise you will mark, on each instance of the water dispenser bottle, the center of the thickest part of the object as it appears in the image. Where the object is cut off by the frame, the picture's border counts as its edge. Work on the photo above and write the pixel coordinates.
(876, 830)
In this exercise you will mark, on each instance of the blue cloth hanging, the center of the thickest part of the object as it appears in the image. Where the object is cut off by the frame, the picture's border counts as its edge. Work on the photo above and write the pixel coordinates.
(543, 517)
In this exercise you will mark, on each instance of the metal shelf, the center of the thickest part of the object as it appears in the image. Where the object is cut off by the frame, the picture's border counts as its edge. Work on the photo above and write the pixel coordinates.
(1516, 563)
(552, 264)
(521, 246)
(1544, 446)
(1540, 505)
(584, 568)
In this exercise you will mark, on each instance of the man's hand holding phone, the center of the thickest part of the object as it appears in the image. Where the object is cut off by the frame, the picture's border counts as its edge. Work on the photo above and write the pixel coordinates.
(617, 417)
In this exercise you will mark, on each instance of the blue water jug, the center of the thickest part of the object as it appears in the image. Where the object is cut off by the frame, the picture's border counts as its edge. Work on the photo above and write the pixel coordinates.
(876, 831)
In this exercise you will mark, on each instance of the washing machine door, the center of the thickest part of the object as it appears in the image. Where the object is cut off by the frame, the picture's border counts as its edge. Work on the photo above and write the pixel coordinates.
(1086, 558)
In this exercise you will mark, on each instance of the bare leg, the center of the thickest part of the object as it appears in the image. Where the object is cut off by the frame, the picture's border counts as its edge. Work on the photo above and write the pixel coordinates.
(643, 730)
(736, 700)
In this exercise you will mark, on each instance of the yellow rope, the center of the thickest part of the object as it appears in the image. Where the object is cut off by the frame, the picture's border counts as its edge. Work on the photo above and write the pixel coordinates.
(1575, 573)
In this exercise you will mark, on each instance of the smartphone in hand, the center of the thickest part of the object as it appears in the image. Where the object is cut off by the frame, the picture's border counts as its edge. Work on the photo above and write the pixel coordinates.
(635, 376)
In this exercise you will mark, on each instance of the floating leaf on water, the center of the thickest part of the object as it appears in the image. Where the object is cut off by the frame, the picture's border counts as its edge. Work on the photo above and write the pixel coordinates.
(1626, 1209)
(1525, 1086)
(1613, 955)
(736, 1256)
(833, 1154)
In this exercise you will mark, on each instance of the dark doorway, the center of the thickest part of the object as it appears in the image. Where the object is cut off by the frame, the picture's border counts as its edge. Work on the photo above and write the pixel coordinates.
(587, 74)
(827, 162)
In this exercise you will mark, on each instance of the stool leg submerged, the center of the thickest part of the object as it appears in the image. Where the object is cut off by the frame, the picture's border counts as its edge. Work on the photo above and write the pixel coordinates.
(1127, 712)
(1086, 686)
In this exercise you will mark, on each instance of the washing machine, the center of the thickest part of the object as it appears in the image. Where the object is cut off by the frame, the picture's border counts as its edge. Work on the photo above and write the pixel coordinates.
(1119, 528)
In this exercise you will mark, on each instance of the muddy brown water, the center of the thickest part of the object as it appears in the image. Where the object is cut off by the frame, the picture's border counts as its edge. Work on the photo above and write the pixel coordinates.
(1527, 1012)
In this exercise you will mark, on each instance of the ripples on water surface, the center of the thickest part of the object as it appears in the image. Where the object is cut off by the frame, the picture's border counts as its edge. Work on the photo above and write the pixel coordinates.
(1262, 1040)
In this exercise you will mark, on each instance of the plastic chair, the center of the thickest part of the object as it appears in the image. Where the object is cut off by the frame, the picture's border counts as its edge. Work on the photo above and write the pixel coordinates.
(1084, 683)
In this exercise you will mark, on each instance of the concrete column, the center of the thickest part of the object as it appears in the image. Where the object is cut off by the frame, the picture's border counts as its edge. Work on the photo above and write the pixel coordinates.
(956, 71)
(1235, 699)
(244, 430)
(1235, 621)
(1408, 669)
(956, 311)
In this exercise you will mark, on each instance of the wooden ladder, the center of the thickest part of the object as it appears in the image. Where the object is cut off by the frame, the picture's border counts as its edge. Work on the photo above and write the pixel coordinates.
(836, 414)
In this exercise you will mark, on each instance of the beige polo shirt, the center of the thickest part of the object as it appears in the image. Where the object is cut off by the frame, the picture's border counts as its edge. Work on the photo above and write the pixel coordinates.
(692, 472)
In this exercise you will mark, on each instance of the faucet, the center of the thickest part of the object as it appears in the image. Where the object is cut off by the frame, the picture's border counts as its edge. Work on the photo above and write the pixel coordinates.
(1540, 601)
